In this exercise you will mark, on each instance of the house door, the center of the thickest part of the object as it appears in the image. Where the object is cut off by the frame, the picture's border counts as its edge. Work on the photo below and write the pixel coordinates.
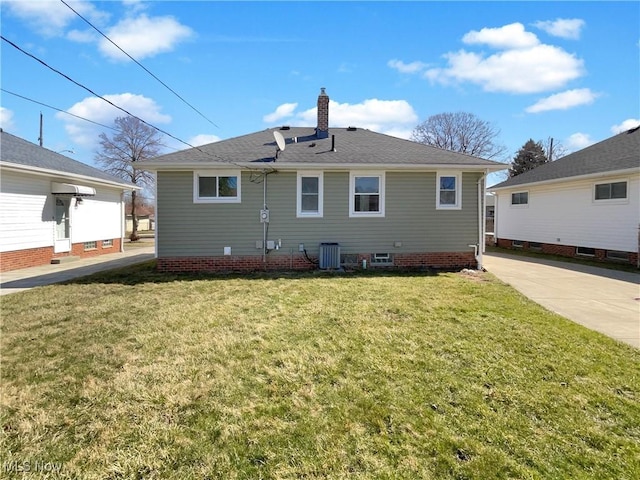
(63, 226)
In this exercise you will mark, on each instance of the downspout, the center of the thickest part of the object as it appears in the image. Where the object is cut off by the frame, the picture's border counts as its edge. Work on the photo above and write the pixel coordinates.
(155, 214)
(122, 221)
(481, 218)
(264, 223)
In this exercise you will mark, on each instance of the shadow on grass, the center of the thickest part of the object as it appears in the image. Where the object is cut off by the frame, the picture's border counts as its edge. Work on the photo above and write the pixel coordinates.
(146, 273)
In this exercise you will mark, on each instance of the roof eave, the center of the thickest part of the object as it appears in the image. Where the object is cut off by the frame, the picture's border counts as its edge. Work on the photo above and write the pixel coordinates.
(17, 167)
(319, 166)
(610, 173)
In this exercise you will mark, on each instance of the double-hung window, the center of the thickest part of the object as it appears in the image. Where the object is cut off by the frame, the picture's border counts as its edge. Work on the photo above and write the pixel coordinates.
(610, 191)
(366, 194)
(449, 191)
(216, 186)
(310, 194)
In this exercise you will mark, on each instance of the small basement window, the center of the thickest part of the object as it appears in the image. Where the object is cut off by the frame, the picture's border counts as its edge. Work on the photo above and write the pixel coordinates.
(535, 246)
(517, 243)
(617, 255)
(585, 251)
(381, 259)
(107, 243)
(90, 245)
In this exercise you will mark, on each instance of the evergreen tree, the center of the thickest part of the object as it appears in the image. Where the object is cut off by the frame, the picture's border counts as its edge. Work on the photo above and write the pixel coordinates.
(530, 156)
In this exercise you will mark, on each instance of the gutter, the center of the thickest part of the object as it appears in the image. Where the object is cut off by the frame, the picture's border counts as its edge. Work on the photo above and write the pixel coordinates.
(576, 178)
(259, 166)
(62, 174)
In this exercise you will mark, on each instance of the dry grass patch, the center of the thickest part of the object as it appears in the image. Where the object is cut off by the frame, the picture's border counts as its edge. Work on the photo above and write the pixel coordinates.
(134, 374)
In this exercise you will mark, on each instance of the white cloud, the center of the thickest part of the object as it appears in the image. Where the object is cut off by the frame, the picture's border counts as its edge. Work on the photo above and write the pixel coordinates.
(393, 117)
(400, 66)
(578, 141)
(562, 27)
(50, 18)
(143, 36)
(627, 124)
(283, 111)
(506, 37)
(6, 118)
(522, 66)
(203, 139)
(97, 110)
(564, 100)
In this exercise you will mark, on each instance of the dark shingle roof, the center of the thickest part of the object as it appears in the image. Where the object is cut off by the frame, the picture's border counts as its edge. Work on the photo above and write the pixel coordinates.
(357, 146)
(620, 152)
(21, 152)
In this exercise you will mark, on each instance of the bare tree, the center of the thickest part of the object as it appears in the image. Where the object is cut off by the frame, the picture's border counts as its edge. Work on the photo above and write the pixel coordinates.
(460, 132)
(553, 149)
(133, 141)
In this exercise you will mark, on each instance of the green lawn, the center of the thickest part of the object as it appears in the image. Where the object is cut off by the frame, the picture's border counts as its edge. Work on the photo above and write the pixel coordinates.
(139, 375)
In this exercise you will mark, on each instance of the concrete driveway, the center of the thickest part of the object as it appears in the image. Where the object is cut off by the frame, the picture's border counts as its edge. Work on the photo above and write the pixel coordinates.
(26, 278)
(601, 299)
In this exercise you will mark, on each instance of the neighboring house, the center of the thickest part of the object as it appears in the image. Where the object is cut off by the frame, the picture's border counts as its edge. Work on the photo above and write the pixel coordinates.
(146, 218)
(585, 204)
(373, 200)
(54, 207)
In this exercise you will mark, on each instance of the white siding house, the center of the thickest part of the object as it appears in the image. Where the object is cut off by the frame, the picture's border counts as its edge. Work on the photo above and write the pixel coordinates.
(52, 206)
(585, 204)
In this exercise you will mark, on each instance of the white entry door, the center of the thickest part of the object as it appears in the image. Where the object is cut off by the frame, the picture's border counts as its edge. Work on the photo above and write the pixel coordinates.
(63, 226)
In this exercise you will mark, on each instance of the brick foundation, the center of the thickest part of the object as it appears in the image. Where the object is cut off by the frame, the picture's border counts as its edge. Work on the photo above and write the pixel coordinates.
(565, 251)
(34, 257)
(440, 260)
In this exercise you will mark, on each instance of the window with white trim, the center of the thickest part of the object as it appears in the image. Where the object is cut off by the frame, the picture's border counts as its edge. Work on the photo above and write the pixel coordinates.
(520, 198)
(610, 191)
(216, 186)
(366, 194)
(310, 194)
(448, 191)
(107, 243)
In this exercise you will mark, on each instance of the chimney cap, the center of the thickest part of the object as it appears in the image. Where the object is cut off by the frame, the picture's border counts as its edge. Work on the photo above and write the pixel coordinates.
(323, 93)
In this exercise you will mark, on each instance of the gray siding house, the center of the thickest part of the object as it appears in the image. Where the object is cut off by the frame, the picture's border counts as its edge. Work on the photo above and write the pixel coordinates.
(302, 198)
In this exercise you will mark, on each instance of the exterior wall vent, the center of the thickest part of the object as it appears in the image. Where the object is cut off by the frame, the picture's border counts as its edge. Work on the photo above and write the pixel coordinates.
(285, 127)
(351, 129)
(329, 257)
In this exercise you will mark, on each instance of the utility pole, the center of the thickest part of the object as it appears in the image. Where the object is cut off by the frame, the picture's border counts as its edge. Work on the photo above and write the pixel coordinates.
(40, 137)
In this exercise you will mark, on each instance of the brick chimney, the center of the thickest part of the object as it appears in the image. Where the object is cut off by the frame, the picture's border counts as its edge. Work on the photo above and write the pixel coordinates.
(322, 130)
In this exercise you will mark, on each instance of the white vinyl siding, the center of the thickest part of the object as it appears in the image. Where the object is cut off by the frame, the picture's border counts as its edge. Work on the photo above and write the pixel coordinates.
(28, 209)
(566, 214)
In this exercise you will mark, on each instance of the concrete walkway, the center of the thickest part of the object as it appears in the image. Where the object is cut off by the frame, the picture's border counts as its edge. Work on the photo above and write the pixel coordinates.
(601, 299)
(26, 278)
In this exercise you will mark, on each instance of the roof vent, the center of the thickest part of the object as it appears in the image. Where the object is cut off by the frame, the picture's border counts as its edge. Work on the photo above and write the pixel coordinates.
(351, 129)
(285, 127)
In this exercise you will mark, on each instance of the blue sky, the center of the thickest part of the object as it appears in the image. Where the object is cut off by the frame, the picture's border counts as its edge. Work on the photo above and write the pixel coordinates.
(567, 70)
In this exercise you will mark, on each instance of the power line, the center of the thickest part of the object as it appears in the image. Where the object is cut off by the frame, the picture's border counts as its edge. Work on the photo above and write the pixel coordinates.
(140, 65)
(42, 62)
(55, 108)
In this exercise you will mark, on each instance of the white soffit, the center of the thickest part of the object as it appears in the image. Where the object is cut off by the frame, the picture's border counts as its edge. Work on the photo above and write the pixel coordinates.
(72, 189)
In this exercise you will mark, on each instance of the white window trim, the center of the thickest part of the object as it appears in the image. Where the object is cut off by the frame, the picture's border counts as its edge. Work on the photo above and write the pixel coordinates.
(519, 205)
(610, 201)
(299, 212)
(352, 192)
(215, 173)
(458, 204)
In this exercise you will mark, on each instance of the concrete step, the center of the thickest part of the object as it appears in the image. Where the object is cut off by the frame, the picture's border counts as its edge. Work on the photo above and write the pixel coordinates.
(62, 260)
